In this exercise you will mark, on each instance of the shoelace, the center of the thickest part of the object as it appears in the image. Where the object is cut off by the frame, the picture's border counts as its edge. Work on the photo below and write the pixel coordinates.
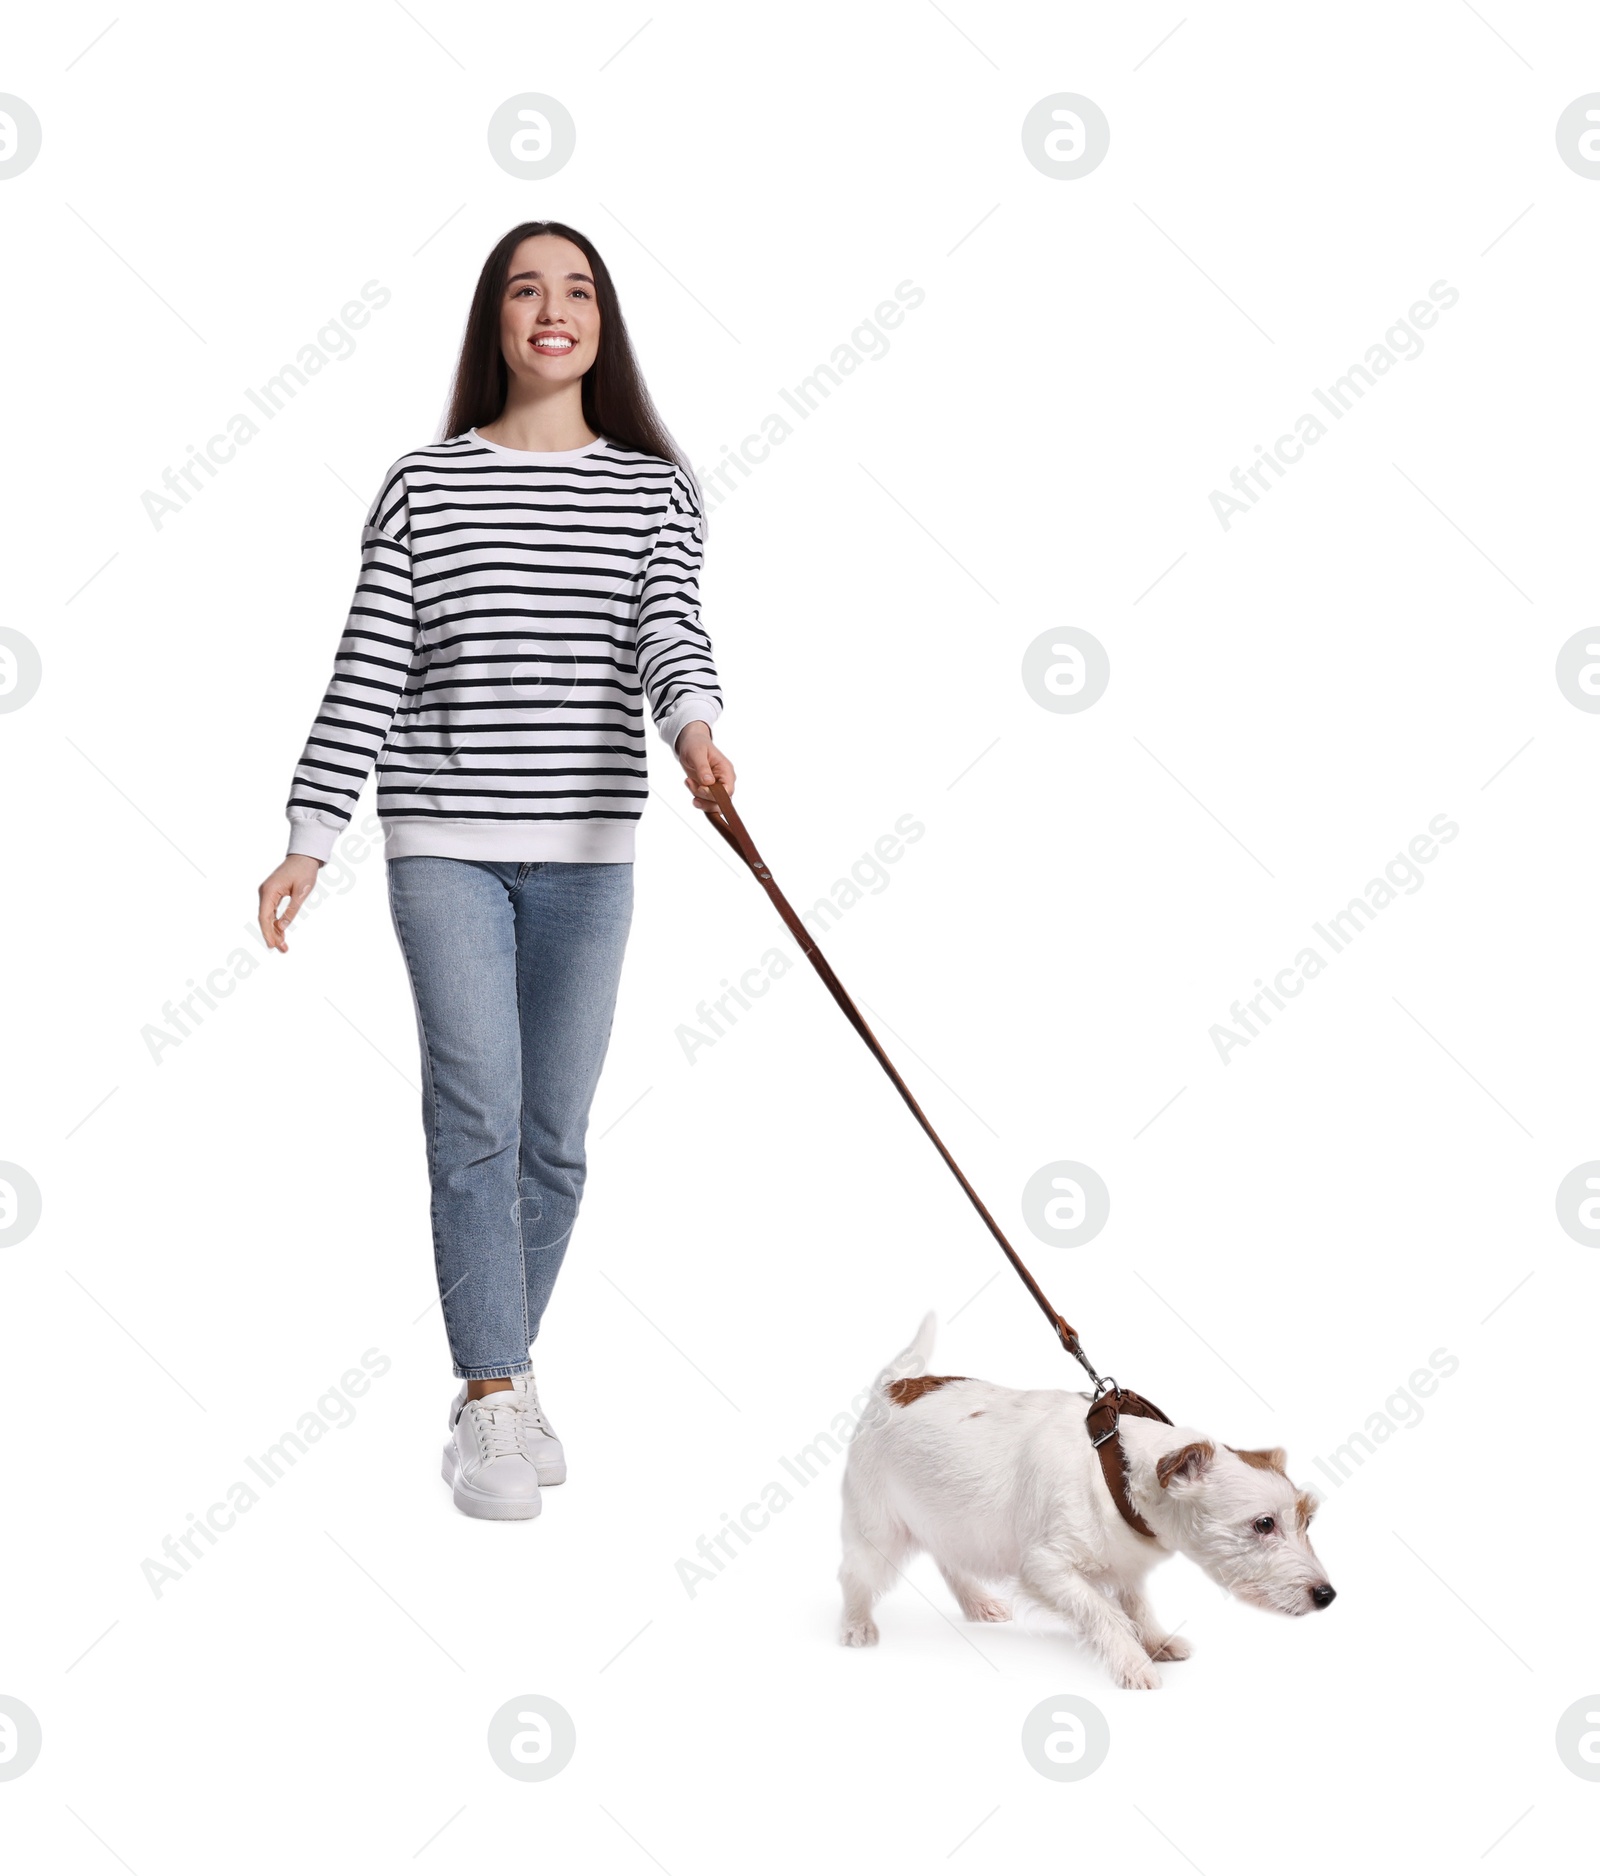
(531, 1407)
(499, 1429)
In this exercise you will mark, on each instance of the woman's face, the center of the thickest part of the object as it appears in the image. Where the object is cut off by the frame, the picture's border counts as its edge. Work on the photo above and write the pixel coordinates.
(549, 318)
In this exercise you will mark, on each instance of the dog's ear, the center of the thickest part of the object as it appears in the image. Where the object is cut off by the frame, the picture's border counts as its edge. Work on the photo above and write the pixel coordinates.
(1184, 1465)
(1268, 1459)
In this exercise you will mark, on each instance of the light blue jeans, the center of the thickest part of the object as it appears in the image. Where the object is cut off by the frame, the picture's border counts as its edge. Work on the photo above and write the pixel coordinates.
(514, 968)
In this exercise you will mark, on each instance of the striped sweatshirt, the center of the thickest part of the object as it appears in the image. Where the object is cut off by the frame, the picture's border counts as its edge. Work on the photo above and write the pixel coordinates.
(515, 612)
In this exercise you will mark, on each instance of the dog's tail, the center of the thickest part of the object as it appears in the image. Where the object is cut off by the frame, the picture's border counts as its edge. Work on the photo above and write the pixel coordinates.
(912, 1359)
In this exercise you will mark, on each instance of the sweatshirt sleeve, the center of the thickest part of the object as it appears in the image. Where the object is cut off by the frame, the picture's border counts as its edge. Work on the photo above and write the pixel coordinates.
(673, 649)
(369, 679)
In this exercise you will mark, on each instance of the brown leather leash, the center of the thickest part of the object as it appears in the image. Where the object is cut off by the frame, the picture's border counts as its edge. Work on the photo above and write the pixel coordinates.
(1109, 1401)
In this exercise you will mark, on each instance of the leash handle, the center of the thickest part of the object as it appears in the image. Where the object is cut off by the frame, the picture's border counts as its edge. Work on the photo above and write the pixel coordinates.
(725, 819)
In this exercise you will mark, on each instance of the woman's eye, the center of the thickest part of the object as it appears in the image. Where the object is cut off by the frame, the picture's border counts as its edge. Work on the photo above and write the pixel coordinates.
(1266, 1525)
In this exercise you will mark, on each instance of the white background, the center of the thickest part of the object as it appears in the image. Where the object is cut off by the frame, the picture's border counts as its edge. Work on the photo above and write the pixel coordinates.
(1368, 1181)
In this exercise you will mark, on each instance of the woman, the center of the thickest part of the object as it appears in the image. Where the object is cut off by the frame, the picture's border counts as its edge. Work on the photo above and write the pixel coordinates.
(529, 586)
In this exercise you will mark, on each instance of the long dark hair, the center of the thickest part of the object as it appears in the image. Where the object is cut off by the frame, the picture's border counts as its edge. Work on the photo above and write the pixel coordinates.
(616, 403)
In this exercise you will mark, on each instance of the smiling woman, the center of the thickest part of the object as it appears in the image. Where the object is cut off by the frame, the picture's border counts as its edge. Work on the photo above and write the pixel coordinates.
(552, 322)
(529, 588)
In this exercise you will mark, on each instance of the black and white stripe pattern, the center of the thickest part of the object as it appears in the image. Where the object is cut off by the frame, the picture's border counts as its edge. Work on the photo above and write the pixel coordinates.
(515, 612)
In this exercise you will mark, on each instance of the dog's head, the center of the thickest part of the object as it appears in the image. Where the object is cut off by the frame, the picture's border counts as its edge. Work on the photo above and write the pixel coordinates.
(1242, 1519)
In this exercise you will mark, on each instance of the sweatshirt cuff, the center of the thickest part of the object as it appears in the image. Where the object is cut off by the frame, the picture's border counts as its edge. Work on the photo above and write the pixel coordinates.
(315, 838)
(697, 707)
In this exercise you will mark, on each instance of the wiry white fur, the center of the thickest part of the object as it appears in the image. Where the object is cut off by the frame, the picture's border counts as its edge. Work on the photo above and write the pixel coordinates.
(1001, 1485)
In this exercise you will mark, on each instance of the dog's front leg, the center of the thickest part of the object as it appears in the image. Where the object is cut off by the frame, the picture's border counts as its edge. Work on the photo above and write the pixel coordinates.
(1158, 1644)
(1049, 1579)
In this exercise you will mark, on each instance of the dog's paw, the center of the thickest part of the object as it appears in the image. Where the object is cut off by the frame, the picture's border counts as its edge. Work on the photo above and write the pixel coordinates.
(1174, 1648)
(859, 1634)
(988, 1609)
(1136, 1674)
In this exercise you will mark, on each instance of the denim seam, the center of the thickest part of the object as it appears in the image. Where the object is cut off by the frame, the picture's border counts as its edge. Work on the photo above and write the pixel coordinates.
(433, 1134)
(522, 1069)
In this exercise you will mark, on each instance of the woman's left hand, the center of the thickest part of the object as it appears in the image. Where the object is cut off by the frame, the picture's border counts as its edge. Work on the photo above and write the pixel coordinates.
(703, 763)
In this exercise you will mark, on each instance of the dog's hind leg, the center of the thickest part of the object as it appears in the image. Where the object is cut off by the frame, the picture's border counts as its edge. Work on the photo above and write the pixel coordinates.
(871, 1560)
(1049, 1579)
(1158, 1644)
(977, 1605)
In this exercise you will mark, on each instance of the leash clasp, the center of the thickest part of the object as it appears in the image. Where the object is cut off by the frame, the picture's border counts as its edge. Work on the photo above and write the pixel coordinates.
(1069, 1341)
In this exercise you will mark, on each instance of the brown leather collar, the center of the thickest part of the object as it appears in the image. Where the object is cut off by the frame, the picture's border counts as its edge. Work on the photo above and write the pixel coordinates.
(1101, 1422)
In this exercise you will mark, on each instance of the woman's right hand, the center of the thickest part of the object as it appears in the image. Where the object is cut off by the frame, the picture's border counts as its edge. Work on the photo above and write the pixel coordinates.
(293, 881)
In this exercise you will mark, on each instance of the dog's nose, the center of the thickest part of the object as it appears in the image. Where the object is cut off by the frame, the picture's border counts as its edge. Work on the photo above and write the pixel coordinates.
(1323, 1594)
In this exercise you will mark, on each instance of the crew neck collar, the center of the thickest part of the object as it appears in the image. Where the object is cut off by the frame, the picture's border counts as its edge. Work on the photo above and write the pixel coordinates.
(536, 455)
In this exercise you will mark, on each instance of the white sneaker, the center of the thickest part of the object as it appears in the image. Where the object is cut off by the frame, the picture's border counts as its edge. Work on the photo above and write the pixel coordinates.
(540, 1436)
(548, 1453)
(487, 1461)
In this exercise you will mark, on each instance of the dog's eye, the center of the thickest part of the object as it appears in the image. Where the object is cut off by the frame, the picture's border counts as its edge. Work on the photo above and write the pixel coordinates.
(1266, 1525)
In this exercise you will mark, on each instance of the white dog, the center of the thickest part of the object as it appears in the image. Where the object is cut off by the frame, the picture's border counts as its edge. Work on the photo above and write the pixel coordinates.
(1000, 1484)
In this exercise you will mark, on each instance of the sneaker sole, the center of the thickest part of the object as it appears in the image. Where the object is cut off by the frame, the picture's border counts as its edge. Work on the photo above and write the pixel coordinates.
(478, 1504)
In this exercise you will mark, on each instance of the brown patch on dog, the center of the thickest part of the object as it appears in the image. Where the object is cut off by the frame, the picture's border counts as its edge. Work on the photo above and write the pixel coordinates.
(903, 1393)
(1304, 1506)
(1186, 1460)
(1270, 1459)
(974, 1416)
